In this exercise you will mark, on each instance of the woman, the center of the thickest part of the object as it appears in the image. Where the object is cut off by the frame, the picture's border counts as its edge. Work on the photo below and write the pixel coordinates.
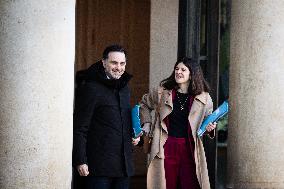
(177, 158)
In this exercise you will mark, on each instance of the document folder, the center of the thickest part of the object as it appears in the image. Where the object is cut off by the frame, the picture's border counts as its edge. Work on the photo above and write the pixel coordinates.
(221, 111)
(136, 121)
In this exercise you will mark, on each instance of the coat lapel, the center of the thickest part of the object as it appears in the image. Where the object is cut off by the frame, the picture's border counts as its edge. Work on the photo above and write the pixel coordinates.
(196, 110)
(202, 97)
(166, 107)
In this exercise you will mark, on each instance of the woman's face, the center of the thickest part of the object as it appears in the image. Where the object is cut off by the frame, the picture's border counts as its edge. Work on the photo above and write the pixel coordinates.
(182, 74)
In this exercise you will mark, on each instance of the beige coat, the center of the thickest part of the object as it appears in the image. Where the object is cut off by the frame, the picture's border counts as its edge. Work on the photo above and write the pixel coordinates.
(201, 107)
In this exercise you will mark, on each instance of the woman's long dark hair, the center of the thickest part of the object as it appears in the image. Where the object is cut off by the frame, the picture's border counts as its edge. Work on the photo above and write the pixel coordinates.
(197, 83)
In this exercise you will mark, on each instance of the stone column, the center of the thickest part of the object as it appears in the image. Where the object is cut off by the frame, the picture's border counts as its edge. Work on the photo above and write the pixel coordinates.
(163, 39)
(37, 42)
(256, 131)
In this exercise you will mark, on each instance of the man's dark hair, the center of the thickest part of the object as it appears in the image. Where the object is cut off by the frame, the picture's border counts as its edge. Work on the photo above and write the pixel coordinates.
(197, 83)
(113, 48)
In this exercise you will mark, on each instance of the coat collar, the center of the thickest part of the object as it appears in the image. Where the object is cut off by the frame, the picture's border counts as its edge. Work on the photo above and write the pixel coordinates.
(166, 100)
(168, 97)
(96, 72)
(202, 97)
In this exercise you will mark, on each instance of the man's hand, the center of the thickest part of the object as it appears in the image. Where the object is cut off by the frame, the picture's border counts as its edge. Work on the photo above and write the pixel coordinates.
(83, 170)
(135, 141)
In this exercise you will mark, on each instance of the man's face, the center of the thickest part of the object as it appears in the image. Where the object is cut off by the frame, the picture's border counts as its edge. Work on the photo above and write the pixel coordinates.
(115, 64)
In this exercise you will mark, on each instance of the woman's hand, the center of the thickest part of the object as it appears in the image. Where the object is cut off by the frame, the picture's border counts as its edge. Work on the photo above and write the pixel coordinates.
(135, 141)
(211, 126)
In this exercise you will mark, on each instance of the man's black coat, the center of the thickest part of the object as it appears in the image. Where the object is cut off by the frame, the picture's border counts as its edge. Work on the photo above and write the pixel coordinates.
(102, 124)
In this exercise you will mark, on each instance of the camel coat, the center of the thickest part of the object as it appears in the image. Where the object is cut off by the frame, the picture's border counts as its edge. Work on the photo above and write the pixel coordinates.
(202, 106)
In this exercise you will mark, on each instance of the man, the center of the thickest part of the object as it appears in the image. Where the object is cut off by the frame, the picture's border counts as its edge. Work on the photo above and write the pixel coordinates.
(102, 123)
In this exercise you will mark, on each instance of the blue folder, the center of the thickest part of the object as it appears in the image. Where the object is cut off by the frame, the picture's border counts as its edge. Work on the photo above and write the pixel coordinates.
(221, 111)
(136, 121)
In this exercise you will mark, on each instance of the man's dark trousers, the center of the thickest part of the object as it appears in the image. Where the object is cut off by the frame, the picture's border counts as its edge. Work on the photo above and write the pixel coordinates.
(94, 182)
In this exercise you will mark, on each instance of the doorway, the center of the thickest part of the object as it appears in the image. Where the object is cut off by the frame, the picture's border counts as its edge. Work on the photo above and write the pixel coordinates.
(126, 22)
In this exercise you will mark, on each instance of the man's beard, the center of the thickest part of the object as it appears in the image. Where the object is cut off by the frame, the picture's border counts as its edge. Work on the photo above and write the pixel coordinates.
(113, 76)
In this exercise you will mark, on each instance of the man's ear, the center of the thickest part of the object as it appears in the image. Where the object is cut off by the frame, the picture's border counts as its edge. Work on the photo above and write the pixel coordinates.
(104, 63)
